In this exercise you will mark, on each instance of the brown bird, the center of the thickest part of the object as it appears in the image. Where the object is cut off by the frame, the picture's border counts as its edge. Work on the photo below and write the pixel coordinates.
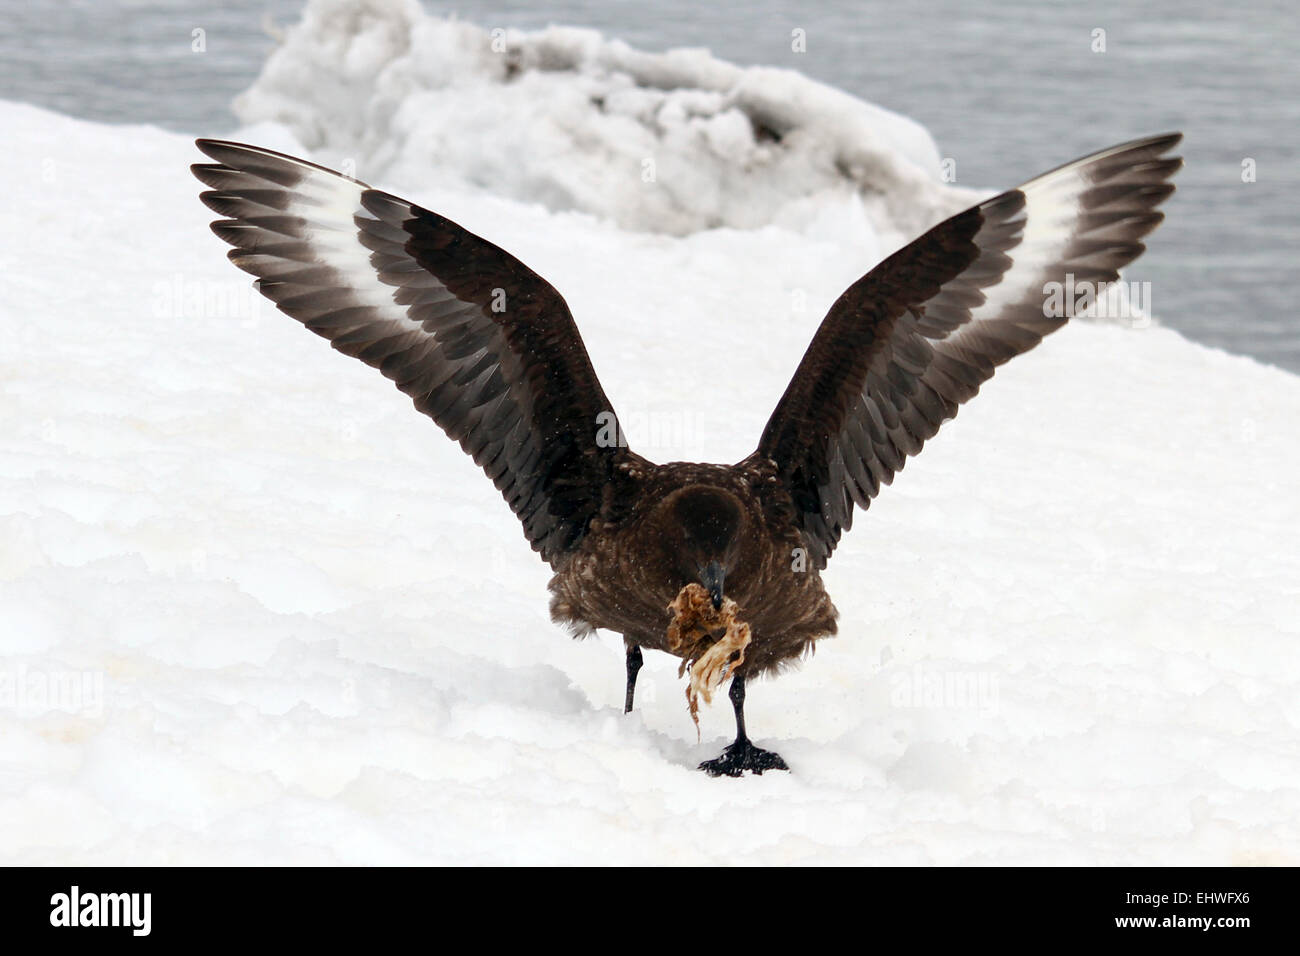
(488, 349)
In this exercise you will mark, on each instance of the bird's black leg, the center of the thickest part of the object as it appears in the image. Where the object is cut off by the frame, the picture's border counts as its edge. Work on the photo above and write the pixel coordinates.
(633, 665)
(742, 755)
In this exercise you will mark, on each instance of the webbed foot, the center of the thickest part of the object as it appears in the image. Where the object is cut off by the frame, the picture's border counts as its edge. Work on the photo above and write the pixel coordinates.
(742, 756)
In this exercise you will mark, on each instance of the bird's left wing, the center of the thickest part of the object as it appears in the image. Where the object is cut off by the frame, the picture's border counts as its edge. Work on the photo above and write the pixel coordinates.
(915, 337)
(481, 343)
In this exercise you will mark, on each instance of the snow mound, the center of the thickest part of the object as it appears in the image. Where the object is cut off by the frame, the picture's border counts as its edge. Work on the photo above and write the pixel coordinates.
(665, 142)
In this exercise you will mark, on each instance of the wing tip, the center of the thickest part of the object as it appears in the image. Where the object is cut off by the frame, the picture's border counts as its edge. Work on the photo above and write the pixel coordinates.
(244, 157)
(1161, 142)
(1161, 166)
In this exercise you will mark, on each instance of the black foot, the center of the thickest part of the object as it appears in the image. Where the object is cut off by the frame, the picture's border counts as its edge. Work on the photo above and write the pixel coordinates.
(742, 756)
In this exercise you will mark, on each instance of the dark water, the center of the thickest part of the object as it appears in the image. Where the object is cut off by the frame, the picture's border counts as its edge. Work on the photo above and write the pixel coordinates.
(1007, 89)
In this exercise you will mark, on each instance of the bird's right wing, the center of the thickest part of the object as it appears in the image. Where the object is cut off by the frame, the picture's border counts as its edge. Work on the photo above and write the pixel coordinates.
(482, 344)
(916, 336)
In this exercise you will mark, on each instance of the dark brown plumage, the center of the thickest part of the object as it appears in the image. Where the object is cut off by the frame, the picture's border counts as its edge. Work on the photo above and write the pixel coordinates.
(489, 350)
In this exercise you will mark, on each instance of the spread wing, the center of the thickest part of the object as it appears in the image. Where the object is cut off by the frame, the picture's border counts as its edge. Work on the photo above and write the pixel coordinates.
(482, 344)
(915, 337)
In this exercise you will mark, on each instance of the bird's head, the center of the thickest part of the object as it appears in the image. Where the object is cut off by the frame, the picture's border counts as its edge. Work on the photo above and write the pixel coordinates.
(703, 531)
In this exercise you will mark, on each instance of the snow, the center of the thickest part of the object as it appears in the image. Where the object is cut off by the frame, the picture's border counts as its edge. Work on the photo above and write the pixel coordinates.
(256, 609)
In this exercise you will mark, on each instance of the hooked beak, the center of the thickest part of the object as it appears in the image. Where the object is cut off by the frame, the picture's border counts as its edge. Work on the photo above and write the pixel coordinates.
(711, 576)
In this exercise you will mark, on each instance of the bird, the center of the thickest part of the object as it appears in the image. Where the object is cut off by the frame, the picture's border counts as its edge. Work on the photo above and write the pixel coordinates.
(489, 350)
